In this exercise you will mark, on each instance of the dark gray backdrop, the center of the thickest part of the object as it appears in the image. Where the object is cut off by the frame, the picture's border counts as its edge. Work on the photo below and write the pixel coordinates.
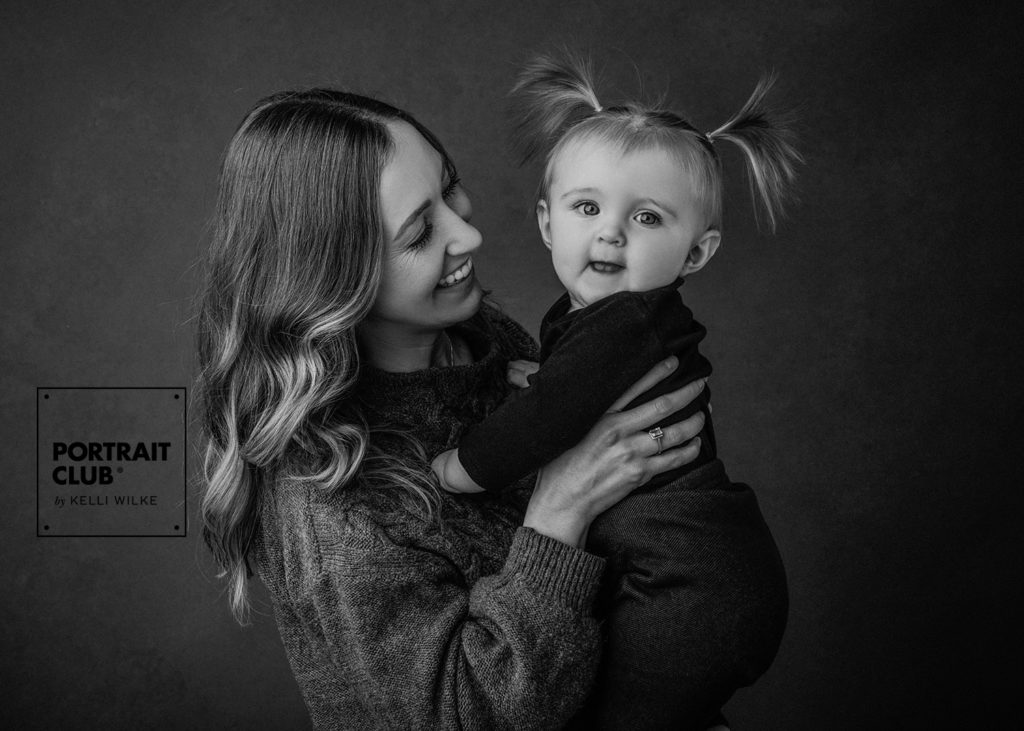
(866, 357)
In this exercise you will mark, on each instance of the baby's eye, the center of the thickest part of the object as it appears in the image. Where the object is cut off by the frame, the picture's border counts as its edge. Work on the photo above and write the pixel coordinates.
(587, 208)
(647, 218)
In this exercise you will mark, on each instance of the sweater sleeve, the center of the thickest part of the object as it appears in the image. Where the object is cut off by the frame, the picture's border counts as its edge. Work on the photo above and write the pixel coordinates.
(605, 352)
(514, 650)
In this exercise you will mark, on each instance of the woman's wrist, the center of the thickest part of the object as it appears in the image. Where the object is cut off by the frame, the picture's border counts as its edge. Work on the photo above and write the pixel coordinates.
(567, 526)
(562, 573)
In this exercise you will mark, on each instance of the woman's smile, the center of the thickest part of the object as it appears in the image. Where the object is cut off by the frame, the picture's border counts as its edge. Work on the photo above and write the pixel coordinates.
(458, 275)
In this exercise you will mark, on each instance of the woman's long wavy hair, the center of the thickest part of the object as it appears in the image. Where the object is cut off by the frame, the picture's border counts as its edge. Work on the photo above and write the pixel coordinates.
(294, 265)
(556, 104)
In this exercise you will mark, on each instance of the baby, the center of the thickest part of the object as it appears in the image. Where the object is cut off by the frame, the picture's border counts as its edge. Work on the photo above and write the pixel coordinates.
(630, 204)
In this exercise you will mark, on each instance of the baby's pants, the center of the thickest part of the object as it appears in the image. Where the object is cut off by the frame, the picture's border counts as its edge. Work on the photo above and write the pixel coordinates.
(694, 603)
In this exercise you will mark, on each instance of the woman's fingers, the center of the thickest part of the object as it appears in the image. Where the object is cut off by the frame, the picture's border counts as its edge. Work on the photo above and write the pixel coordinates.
(673, 458)
(657, 374)
(645, 415)
(672, 435)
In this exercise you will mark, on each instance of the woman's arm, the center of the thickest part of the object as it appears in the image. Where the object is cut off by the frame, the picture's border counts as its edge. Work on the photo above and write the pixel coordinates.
(609, 346)
(514, 650)
(422, 647)
(616, 456)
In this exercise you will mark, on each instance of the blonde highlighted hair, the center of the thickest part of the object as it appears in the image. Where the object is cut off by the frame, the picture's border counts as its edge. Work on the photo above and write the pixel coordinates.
(556, 104)
(294, 265)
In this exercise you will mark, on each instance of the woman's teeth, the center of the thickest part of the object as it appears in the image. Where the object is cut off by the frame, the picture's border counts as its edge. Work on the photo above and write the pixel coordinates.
(457, 276)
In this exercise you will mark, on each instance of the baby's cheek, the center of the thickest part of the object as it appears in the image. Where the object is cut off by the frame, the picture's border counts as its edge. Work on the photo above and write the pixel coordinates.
(654, 272)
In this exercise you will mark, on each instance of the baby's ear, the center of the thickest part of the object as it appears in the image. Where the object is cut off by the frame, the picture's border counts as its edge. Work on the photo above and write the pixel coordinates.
(701, 252)
(544, 222)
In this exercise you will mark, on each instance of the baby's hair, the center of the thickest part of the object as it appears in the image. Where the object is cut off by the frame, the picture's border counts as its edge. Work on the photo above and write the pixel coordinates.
(556, 104)
(555, 94)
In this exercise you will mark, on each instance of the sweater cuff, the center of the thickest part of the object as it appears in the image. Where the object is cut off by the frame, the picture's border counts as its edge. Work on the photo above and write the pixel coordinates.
(567, 574)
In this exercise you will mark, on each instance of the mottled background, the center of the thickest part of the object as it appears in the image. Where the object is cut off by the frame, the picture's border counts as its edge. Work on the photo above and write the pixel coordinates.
(867, 376)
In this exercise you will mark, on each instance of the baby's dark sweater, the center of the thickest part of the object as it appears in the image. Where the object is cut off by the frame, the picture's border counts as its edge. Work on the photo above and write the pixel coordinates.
(390, 620)
(589, 357)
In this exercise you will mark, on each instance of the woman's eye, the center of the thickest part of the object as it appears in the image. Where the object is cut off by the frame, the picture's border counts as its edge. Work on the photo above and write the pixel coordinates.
(424, 237)
(449, 190)
(587, 208)
(647, 218)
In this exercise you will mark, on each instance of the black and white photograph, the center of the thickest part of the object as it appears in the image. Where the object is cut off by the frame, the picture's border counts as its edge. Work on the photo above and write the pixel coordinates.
(541, 365)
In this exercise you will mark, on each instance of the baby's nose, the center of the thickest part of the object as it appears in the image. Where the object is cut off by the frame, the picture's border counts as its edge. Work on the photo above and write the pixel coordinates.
(611, 233)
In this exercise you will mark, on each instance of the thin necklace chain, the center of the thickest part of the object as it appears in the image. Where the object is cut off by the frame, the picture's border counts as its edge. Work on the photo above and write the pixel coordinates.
(449, 350)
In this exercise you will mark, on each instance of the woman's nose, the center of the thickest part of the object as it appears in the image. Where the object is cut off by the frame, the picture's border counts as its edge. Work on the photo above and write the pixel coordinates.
(465, 237)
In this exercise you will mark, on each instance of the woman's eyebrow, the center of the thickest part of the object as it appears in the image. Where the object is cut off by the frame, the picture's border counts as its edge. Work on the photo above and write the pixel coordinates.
(412, 217)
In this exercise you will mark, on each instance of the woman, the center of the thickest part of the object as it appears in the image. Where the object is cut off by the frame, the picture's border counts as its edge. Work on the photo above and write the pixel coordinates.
(343, 343)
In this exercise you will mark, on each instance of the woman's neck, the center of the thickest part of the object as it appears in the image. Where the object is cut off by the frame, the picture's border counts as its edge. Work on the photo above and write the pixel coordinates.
(404, 352)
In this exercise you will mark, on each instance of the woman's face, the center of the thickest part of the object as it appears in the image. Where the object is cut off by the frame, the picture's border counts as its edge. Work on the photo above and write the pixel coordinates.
(429, 282)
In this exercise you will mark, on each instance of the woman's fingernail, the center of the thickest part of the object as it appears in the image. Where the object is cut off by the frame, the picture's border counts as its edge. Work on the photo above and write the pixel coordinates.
(671, 363)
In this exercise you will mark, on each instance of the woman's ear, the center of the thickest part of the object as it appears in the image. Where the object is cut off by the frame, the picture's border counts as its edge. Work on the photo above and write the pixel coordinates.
(701, 252)
(544, 222)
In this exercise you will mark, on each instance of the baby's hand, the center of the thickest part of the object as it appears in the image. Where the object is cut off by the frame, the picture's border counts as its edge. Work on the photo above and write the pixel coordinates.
(450, 473)
(520, 370)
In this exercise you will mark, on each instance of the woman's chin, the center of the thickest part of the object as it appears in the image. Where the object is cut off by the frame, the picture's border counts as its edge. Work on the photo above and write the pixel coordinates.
(463, 298)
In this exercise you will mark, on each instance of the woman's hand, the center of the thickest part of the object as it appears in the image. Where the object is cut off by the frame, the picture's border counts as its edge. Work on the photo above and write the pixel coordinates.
(615, 457)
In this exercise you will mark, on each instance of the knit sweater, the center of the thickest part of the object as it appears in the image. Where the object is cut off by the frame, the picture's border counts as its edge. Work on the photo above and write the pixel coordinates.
(392, 620)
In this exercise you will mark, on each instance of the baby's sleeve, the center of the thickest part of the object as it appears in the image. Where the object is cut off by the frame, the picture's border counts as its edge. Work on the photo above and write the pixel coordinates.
(605, 351)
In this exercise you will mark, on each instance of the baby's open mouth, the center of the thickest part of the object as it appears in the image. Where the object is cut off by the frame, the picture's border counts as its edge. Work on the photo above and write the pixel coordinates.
(606, 267)
(450, 280)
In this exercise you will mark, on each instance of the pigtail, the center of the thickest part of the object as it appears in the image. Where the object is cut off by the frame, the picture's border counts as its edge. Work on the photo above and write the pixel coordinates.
(767, 145)
(551, 95)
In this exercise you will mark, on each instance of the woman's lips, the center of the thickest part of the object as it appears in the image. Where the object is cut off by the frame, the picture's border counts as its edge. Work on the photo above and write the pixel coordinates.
(606, 267)
(460, 274)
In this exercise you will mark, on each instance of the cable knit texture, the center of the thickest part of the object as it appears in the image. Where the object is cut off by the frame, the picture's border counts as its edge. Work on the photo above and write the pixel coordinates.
(391, 620)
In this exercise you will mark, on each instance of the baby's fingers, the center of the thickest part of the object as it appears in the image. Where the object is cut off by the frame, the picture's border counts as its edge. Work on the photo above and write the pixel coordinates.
(657, 374)
(461, 490)
(519, 372)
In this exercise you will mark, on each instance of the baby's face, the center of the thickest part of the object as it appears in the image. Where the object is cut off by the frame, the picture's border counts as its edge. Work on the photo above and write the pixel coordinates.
(618, 221)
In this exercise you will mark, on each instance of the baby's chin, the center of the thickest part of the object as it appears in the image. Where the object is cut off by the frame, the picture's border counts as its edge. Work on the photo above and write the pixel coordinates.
(588, 293)
(585, 296)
